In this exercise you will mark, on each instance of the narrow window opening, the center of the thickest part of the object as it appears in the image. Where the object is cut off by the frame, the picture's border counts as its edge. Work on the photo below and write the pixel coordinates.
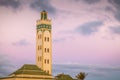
(48, 39)
(45, 38)
(38, 58)
(45, 61)
(40, 36)
(38, 47)
(48, 61)
(48, 50)
(45, 49)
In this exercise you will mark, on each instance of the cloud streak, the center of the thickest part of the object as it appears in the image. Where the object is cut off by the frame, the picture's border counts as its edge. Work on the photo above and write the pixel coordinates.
(15, 4)
(42, 5)
(89, 27)
(58, 40)
(5, 66)
(116, 4)
(22, 42)
(115, 30)
(91, 1)
(37, 5)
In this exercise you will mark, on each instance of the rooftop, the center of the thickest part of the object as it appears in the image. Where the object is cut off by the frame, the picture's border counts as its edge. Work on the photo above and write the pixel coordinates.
(30, 69)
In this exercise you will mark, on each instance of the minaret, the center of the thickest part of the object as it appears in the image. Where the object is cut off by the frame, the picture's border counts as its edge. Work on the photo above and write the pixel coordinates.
(44, 43)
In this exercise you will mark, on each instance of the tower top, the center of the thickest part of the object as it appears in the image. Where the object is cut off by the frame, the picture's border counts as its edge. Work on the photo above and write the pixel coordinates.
(43, 18)
(43, 11)
(43, 15)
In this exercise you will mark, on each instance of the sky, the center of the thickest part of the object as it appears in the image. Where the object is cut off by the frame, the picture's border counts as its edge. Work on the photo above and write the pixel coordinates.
(83, 31)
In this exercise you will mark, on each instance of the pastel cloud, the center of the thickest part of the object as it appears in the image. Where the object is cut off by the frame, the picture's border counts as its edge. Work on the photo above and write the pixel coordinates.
(115, 29)
(36, 5)
(117, 15)
(40, 5)
(10, 3)
(116, 4)
(22, 42)
(89, 27)
(58, 40)
(6, 66)
(91, 1)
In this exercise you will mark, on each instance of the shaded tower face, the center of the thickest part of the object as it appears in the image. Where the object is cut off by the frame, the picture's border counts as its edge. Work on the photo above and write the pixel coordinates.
(44, 43)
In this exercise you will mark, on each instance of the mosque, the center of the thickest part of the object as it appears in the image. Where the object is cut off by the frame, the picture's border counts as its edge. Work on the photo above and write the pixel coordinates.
(42, 70)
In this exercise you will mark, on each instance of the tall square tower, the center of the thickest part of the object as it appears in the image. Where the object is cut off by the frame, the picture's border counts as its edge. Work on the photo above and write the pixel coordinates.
(44, 43)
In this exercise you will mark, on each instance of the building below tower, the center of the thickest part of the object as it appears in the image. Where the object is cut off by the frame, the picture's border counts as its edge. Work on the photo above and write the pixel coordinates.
(29, 72)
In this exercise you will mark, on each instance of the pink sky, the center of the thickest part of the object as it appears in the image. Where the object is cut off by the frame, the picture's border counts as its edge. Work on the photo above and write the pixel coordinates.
(83, 31)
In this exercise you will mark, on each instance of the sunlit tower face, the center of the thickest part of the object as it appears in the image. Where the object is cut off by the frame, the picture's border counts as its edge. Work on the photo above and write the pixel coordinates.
(44, 43)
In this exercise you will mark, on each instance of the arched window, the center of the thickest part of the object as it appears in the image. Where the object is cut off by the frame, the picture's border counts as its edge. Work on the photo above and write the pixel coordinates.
(48, 61)
(38, 58)
(45, 61)
(45, 38)
(38, 47)
(48, 50)
(39, 36)
(45, 49)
